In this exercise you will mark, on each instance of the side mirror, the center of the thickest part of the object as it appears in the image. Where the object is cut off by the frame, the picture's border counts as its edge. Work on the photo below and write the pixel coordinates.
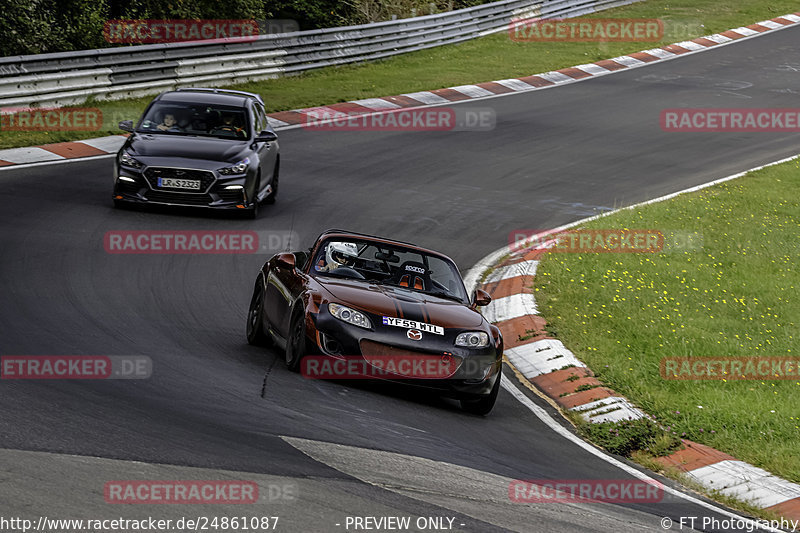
(126, 125)
(480, 298)
(285, 261)
(266, 136)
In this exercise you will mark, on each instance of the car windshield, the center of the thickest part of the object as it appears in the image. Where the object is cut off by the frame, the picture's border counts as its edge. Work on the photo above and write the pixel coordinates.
(181, 118)
(396, 266)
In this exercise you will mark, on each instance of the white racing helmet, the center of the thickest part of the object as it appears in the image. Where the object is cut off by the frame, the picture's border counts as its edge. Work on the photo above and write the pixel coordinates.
(341, 254)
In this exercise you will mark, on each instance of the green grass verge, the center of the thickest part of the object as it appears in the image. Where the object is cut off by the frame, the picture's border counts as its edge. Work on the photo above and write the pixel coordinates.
(628, 436)
(489, 58)
(733, 296)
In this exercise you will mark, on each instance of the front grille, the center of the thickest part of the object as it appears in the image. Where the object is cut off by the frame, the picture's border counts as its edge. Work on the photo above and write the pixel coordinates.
(384, 350)
(178, 198)
(410, 364)
(152, 174)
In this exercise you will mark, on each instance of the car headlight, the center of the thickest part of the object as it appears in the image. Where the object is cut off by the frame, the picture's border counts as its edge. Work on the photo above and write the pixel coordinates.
(127, 160)
(473, 339)
(351, 316)
(238, 168)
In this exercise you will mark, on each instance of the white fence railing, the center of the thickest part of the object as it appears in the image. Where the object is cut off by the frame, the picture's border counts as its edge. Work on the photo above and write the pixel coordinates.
(110, 73)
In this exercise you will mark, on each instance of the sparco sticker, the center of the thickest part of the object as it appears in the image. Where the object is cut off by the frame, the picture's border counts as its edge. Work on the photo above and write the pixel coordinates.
(411, 324)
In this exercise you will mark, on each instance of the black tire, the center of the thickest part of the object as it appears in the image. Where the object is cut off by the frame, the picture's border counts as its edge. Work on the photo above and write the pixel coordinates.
(296, 344)
(252, 212)
(119, 204)
(270, 199)
(484, 405)
(255, 324)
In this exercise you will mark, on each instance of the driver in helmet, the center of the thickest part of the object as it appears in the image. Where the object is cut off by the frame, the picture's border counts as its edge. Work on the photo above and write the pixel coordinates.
(339, 254)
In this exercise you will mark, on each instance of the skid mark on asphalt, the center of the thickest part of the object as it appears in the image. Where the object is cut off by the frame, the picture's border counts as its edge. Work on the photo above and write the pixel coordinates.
(266, 375)
(574, 208)
(470, 492)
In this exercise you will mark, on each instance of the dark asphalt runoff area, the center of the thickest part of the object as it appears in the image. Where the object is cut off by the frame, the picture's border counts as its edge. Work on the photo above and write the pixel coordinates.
(213, 402)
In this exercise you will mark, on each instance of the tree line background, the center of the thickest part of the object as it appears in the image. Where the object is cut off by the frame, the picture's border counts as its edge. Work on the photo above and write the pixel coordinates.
(42, 26)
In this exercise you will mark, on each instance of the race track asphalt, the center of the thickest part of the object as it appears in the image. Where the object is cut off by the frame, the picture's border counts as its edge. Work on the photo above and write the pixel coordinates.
(555, 156)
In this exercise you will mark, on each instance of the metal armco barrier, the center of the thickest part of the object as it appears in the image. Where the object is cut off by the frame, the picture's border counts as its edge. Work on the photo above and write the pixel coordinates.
(109, 73)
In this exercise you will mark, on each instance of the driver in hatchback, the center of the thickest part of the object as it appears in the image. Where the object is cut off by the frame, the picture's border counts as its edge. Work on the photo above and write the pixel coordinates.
(228, 127)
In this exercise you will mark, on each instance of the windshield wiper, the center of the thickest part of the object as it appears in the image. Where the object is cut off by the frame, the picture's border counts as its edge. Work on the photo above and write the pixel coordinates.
(160, 132)
(446, 295)
(439, 293)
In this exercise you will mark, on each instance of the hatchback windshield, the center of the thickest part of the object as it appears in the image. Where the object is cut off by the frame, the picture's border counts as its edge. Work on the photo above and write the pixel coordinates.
(390, 265)
(179, 118)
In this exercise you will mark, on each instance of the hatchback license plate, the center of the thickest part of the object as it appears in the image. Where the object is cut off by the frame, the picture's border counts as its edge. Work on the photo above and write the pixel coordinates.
(175, 183)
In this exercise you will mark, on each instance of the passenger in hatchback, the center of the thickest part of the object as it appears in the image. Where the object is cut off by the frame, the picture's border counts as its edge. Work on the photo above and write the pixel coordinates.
(169, 123)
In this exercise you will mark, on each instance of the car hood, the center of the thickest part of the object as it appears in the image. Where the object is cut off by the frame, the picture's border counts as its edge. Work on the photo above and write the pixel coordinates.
(187, 147)
(404, 303)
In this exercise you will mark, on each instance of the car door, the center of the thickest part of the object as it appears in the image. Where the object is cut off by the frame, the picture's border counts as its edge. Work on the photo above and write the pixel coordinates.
(284, 287)
(267, 152)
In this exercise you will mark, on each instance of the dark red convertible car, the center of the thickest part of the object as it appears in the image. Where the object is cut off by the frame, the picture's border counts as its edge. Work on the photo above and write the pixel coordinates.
(357, 306)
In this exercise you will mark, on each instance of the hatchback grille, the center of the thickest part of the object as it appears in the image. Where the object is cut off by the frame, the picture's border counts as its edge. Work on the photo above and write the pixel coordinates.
(152, 174)
(178, 198)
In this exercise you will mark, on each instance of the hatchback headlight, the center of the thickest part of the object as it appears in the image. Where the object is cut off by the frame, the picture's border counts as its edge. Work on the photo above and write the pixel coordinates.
(238, 168)
(127, 160)
(351, 316)
(473, 339)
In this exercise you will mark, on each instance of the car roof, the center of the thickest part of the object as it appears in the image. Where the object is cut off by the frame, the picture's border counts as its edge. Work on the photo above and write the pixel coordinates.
(207, 97)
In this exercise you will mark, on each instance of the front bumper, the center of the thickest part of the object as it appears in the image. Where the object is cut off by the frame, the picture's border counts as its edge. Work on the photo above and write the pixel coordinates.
(133, 186)
(474, 371)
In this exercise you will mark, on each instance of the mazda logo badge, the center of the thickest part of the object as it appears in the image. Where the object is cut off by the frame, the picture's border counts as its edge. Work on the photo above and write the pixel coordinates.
(414, 334)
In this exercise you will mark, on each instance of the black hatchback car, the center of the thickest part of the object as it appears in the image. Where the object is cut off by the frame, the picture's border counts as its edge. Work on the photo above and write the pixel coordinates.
(210, 148)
